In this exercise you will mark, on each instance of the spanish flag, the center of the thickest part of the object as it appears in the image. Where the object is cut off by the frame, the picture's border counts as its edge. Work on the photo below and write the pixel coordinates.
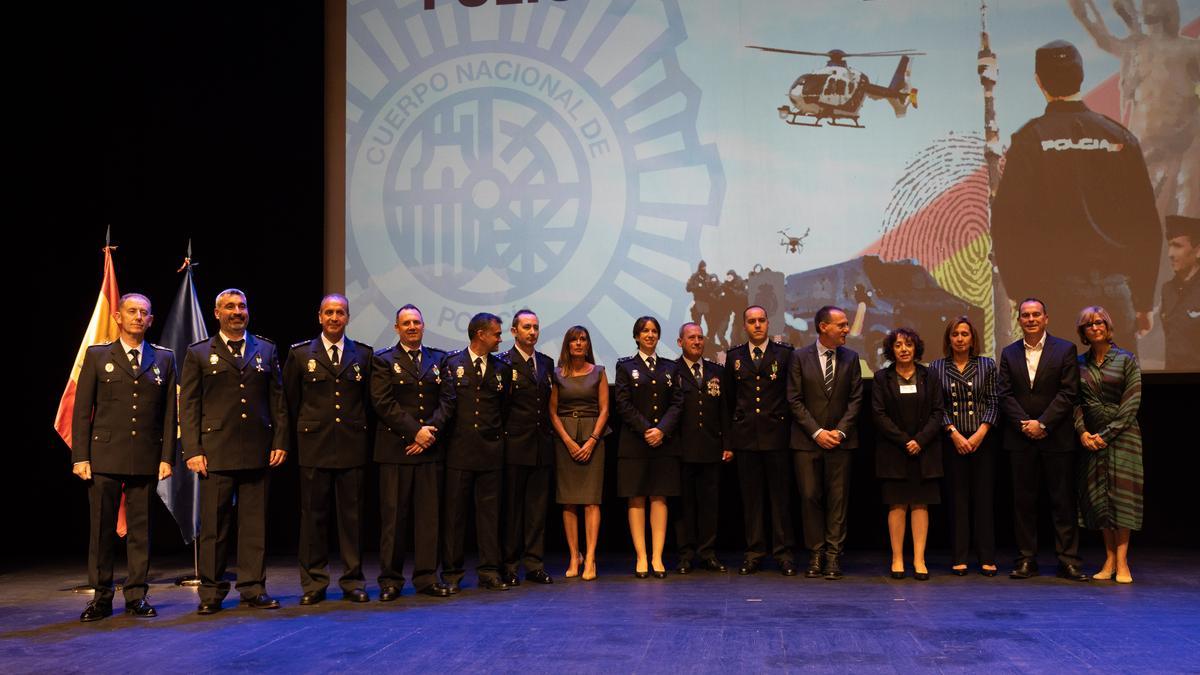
(102, 328)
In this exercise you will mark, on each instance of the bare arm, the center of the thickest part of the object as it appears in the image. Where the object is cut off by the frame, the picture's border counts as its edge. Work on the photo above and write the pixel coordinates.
(1089, 17)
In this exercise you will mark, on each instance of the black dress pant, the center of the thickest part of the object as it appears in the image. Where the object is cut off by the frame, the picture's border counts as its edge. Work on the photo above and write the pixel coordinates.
(319, 488)
(527, 496)
(461, 486)
(771, 469)
(409, 492)
(696, 530)
(971, 491)
(1058, 470)
(824, 480)
(104, 497)
(217, 492)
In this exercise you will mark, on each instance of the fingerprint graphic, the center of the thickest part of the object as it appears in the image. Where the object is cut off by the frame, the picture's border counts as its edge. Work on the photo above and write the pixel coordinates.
(938, 215)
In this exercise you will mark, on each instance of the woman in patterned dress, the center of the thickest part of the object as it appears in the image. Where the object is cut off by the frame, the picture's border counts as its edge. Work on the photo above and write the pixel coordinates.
(1110, 477)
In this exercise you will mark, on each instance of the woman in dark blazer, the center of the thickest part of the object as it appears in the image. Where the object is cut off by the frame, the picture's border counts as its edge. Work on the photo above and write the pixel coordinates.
(906, 400)
(969, 392)
(649, 401)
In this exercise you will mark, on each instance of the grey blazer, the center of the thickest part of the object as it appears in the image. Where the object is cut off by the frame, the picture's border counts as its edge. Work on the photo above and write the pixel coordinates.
(812, 408)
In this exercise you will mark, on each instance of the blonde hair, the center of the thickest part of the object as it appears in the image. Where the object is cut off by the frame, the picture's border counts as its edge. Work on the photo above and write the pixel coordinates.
(1086, 317)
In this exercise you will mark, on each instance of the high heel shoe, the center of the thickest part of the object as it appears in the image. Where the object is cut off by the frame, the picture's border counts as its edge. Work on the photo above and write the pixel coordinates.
(1104, 576)
(959, 571)
(640, 574)
(659, 574)
(578, 562)
(897, 575)
(988, 573)
(589, 568)
(921, 576)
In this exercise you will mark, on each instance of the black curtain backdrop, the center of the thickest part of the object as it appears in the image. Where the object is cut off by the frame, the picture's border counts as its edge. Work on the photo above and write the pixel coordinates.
(205, 122)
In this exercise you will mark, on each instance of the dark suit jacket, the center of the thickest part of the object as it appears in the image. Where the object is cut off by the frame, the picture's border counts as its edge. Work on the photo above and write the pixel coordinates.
(891, 458)
(124, 422)
(480, 409)
(235, 416)
(328, 407)
(1049, 400)
(704, 417)
(756, 398)
(529, 436)
(645, 400)
(405, 400)
(812, 409)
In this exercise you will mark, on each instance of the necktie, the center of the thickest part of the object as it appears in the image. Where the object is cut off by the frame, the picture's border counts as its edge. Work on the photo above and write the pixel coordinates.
(133, 358)
(828, 371)
(757, 355)
(479, 367)
(334, 356)
(533, 366)
(696, 371)
(235, 346)
(415, 356)
(650, 363)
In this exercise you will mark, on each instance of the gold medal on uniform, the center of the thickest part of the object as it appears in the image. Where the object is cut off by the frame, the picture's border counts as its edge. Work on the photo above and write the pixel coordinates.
(774, 369)
(737, 364)
(108, 367)
(437, 375)
(312, 366)
(258, 362)
(357, 373)
(396, 367)
(212, 359)
(714, 387)
(458, 372)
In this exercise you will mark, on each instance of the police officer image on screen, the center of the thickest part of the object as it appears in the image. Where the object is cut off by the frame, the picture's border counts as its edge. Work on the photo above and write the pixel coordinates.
(233, 424)
(123, 432)
(1074, 220)
(1181, 295)
(326, 383)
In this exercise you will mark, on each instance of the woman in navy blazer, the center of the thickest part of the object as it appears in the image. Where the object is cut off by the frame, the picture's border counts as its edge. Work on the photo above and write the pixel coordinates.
(906, 401)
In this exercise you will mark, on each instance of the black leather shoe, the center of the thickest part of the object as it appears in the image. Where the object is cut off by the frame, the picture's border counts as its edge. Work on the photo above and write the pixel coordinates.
(1026, 569)
(814, 566)
(493, 584)
(748, 567)
(312, 597)
(209, 608)
(897, 575)
(141, 609)
(261, 601)
(684, 567)
(387, 593)
(511, 578)
(95, 611)
(1072, 572)
(436, 591)
(958, 572)
(356, 595)
(986, 572)
(921, 576)
(538, 577)
(453, 588)
(833, 570)
(714, 565)
(787, 568)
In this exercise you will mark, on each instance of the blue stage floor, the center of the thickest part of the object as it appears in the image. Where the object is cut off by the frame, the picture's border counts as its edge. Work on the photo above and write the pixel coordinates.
(700, 623)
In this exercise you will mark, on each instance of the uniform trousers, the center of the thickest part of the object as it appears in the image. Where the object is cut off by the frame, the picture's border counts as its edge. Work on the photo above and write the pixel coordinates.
(527, 496)
(772, 469)
(217, 492)
(696, 530)
(319, 489)
(104, 497)
(484, 486)
(409, 493)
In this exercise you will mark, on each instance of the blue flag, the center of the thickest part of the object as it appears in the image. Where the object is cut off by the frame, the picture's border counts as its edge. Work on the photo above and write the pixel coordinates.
(185, 325)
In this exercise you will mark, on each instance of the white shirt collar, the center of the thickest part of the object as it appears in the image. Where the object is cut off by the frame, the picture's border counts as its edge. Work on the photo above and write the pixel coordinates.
(141, 347)
(645, 358)
(1035, 348)
(522, 352)
(821, 348)
(474, 356)
(691, 364)
(226, 339)
(341, 344)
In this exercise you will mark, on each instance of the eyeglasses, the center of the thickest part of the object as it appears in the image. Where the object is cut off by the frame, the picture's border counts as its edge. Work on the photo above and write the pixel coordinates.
(1094, 323)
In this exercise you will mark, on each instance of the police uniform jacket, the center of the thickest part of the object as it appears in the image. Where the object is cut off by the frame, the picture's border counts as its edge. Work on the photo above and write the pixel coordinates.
(235, 415)
(124, 420)
(529, 436)
(328, 406)
(1181, 322)
(703, 417)
(405, 399)
(648, 399)
(756, 397)
(480, 409)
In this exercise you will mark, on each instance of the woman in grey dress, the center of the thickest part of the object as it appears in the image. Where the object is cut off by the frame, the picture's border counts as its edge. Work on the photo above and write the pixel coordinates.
(579, 413)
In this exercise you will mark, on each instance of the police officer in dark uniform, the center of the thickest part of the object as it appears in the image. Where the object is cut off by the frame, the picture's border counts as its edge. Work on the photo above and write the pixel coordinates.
(701, 437)
(233, 423)
(755, 386)
(405, 390)
(475, 386)
(528, 453)
(1074, 221)
(1181, 294)
(326, 383)
(123, 432)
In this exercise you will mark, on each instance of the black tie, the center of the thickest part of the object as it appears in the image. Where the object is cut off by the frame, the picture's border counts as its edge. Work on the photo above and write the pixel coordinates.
(757, 355)
(696, 371)
(334, 358)
(415, 356)
(650, 363)
(533, 366)
(235, 346)
(479, 367)
(133, 358)
(828, 371)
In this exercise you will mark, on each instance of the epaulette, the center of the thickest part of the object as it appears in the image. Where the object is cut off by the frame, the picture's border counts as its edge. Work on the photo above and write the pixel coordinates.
(708, 360)
(161, 348)
(299, 344)
(504, 357)
(781, 343)
(744, 344)
(381, 352)
(363, 345)
(455, 352)
(623, 359)
(435, 349)
(199, 342)
(267, 340)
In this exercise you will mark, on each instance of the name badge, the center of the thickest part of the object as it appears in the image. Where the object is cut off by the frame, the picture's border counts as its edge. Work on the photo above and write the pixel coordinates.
(908, 389)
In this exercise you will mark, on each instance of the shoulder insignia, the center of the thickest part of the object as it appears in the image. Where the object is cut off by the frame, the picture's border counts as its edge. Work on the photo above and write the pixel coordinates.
(623, 359)
(162, 348)
(435, 350)
(744, 345)
(781, 343)
(455, 352)
(299, 344)
(267, 340)
(200, 342)
(504, 357)
(363, 345)
(381, 352)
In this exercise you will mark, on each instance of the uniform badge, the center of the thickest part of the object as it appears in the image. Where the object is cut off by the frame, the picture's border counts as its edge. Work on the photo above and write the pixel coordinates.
(312, 366)
(635, 374)
(737, 364)
(514, 376)
(499, 382)
(396, 367)
(258, 362)
(458, 372)
(157, 374)
(108, 367)
(714, 387)
(357, 373)
(774, 369)
(668, 376)
(212, 359)
(437, 375)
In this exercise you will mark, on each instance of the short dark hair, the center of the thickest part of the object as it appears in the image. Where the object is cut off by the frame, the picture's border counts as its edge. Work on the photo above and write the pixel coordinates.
(523, 310)
(229, 291)
(950, 329)
(641, 322)
(764, 311)
(889, 343)
(1039, 301)
(825, 314)
(480, 322)
(413, 308)
(336, 296)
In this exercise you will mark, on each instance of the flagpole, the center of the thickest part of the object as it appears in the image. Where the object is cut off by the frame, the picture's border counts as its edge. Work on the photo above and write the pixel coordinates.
(190, 580)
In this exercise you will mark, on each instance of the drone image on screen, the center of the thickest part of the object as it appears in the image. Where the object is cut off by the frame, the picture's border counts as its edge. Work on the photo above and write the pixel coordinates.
(793, 244)
(836, 92)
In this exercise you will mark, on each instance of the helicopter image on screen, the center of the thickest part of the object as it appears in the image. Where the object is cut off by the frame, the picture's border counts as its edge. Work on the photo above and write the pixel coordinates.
(836, 92)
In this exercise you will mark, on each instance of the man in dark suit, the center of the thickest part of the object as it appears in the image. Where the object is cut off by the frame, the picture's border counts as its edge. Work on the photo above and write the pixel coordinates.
(755, 386)
(123, 432)
(528, 453)
(405, 384)
(233, 423)
(1181, 295)
(326, 383)
(1037, 383)
(475, 386)
(825, 394)
(702, 436)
